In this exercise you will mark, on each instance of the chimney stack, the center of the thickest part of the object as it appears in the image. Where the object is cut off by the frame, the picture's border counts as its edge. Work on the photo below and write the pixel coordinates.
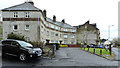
(44, 12)
(30, 1)
(63, 21)
(54, 18)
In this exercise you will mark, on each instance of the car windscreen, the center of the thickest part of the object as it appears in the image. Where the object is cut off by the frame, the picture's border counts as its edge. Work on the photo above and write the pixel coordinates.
(24, 44)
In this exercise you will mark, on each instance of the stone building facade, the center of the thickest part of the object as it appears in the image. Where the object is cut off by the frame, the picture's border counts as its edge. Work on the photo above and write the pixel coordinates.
(87, 33)
(32, 23)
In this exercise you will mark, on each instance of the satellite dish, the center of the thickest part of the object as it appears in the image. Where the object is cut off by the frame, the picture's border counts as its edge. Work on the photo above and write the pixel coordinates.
(107, 43)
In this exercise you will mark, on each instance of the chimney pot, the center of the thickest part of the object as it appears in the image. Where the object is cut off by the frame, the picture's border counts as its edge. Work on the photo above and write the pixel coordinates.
(44, 12)
(63, 20)
(54, 18)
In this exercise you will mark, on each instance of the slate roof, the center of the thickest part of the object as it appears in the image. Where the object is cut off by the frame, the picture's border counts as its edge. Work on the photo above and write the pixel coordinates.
(24, 6)
(61, 24)
(29, 7)
(94, 25)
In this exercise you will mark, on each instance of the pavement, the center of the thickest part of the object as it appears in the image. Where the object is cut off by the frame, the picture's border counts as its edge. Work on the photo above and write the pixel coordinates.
(116, 52)
(0, 56)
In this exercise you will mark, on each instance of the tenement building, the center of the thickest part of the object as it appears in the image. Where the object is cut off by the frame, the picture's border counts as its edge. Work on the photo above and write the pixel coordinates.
(87, 33)
(31, 22)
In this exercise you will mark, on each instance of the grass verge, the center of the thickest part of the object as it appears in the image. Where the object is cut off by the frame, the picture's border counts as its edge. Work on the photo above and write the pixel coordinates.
(105, 53)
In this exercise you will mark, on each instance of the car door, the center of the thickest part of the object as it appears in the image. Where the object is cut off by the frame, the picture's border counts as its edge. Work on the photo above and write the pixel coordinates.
(15, 48)
(6, 45)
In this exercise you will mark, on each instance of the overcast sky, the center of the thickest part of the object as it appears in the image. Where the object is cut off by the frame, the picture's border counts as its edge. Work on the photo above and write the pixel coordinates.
(77, 12)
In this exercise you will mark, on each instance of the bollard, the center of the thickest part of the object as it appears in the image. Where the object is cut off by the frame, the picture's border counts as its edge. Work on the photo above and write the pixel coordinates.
(100, 52)
(88, 49)
(53, 49)
(94, 51)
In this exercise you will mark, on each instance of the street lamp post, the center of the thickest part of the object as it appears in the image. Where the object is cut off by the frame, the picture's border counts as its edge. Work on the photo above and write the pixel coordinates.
(109, 38)
(109, 32)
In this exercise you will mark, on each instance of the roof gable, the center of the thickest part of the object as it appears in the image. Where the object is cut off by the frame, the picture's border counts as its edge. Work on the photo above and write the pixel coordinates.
(24, 6)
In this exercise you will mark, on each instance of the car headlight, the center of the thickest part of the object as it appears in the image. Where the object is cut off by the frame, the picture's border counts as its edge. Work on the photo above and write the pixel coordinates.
(31, 51)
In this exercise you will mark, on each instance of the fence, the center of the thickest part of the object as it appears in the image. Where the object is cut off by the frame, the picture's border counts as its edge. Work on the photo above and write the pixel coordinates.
(98, 51)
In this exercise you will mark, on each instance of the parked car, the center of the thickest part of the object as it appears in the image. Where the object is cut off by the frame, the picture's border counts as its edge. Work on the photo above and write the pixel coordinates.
(90, 46)
(98, 47)
(114, 45)
(21, 49)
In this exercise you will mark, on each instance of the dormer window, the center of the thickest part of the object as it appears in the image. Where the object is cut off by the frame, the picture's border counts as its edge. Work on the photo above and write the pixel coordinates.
(15, 14)
(27, 14)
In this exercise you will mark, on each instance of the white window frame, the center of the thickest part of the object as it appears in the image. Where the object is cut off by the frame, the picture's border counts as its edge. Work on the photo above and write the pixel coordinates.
(73, 36)
(65, 41)
(52, 26)
(42, 29)
(52, 41)
(47, 33)
(57, 27)
(65, 36)
(14, 27)
(56, 41)
(27, 14)
(65, 29)
(28, 38)
(27, 28)
(52, 33)
(15, 14)
(72, 30)
(47, 24)
(57, 34)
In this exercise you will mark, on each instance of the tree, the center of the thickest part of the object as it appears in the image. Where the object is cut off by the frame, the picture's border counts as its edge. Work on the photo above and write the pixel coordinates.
(116, 41)
(15, 36)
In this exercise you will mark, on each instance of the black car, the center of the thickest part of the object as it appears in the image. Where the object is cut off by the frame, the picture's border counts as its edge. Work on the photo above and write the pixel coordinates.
(21, 49)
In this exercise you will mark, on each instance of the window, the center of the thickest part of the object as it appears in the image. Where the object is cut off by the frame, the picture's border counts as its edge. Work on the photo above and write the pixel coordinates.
(65, 41)
(42, 30)
(57, 27)
(65, 36)
(60, 35)
(56, 41)
(15, 27)
(47, 32)
(56, 35)
(15, 14)
(27, 14)
(73, 36)
(27, 27)
(15, 44)
(47, 24)
(52, 34)
(52, 26)
(28, 38)
(72, 42)
(73, 30)
(65, 30)
(52, 41)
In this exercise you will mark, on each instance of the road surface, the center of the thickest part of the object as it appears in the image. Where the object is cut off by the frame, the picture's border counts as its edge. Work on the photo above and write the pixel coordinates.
(64, 57)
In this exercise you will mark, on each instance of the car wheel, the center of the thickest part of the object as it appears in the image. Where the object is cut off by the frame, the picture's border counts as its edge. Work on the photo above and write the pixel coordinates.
(22, 57)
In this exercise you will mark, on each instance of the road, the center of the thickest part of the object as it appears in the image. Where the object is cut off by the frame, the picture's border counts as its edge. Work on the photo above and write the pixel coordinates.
(64, 57)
